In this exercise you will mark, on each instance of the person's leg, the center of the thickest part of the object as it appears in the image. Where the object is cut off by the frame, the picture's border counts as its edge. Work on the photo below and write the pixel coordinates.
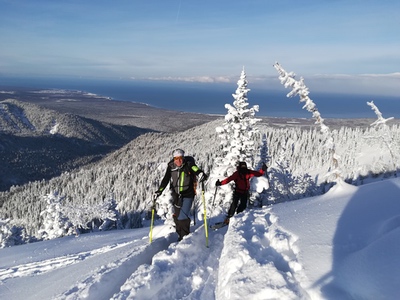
(233, 206)
(177, 210)
(243, 203)
(184, 228)
(185, 209)
(183, 218)
(175, 216)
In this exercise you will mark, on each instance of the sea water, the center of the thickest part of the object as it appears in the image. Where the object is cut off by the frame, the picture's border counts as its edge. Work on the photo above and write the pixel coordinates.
(210, 98)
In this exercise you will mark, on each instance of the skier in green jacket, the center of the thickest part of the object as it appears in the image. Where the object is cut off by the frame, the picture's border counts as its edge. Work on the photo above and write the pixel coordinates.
(181, 174)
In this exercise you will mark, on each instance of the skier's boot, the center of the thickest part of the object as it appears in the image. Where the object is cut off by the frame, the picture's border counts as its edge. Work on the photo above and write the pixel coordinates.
(182, 228)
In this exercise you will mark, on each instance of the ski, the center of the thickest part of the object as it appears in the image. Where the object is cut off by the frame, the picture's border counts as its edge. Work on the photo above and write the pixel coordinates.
(218, 225)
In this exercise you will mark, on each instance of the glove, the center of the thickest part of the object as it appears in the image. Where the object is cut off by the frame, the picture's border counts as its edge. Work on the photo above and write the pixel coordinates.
(203, 177)
(156, 195)
(218, 183)
(264, 167)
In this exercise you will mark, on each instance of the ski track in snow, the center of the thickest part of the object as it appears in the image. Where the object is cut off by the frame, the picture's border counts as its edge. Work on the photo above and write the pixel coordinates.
(54, 263)
(105, 281)
(102, 282)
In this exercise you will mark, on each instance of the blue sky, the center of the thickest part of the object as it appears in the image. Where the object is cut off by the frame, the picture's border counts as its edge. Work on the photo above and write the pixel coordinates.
(347, 42)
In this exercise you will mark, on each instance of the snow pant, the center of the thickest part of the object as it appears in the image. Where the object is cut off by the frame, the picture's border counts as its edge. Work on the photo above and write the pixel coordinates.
(240, 199)
(182, 217)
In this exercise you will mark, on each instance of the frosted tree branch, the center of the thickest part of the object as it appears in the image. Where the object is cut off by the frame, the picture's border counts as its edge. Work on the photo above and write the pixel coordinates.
(381, 120)
(299, 88)
(386, 137)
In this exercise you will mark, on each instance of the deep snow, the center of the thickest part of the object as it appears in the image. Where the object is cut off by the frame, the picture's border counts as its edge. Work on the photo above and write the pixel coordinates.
(341, 245)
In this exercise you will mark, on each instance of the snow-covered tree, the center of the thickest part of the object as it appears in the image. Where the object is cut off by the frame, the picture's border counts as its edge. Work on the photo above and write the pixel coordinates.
(286, 186)
(237, 134)
(386, 137)
(113, 219)
(55, 223)
(299, 88)
(11, 235)
(260, 186)
(238, 131)
(92, 217)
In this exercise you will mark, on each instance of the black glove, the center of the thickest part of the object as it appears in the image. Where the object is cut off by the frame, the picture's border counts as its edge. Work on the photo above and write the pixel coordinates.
(203, 177)
(218, 183)
(156, 195)
(264, 167)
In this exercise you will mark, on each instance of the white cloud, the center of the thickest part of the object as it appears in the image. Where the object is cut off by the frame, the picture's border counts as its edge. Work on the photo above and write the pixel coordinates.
(377, 84)
(368, 84)
(201, 79)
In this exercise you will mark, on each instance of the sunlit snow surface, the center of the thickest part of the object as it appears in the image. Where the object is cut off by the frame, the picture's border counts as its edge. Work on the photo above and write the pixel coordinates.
(341, 245)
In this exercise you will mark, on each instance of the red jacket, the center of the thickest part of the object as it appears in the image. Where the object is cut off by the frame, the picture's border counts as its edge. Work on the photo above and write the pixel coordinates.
(242, 180)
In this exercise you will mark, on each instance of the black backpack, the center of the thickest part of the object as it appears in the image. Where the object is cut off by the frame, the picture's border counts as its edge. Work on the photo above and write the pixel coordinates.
(190, 161)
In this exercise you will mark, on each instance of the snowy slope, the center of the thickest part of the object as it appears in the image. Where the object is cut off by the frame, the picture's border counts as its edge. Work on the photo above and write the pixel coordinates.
(341, 245)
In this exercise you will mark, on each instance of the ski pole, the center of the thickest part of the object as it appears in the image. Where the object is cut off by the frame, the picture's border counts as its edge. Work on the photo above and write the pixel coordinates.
(215, 194)
(194, 209)
(152, 220)
(205, 213)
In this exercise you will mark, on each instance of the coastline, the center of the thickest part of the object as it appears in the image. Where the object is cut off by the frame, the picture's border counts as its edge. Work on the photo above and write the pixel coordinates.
(127, 112)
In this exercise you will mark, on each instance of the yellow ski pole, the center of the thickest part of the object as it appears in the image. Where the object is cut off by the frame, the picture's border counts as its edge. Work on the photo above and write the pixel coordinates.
(205, 213)
(152, 220)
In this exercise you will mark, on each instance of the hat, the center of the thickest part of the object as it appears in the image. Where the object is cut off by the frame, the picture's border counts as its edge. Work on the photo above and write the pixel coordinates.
(178, 153)
(242, 164)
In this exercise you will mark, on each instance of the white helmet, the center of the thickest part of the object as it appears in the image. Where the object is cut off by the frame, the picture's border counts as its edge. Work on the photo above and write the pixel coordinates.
(178, 153)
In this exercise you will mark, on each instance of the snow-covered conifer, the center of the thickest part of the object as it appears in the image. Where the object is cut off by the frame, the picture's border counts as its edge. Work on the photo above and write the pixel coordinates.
(237, 135)
(55, 223)
(113, 218)
(285, 186)
(100, 216)
(11, 235)
(238, 130)
(258, 194)
(386, 137)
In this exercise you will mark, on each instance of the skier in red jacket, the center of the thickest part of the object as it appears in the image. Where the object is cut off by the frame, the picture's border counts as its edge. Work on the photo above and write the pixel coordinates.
(241, 177)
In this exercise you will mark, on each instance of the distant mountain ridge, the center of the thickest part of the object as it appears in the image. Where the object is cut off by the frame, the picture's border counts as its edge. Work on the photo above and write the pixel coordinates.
(38, 143)
(110, 111)
(27, 119)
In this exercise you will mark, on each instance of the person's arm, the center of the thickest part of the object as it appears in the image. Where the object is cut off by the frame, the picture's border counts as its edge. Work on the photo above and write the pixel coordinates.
(165, 180)
(230, 178)
(260, 172)
(256, 173)
(199, 172)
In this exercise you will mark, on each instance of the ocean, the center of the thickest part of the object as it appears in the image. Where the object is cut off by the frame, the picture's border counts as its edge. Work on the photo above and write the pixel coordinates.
(211, 98)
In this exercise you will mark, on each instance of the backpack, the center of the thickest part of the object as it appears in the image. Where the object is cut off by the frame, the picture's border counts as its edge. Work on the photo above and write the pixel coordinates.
(189, 160)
